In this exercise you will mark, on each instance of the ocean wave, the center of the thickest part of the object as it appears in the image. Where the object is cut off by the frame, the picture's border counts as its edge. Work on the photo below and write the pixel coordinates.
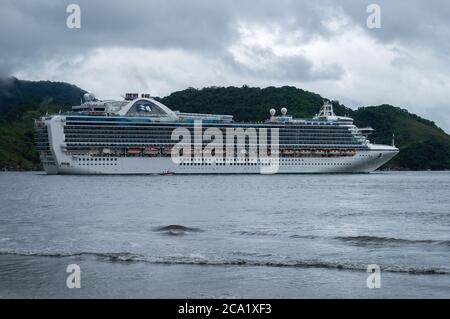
(119, 256)
(365, 240)
(174, 233)
(215, 261)
(177, 230)
(254, 233)
(249, 253)
(303, 236)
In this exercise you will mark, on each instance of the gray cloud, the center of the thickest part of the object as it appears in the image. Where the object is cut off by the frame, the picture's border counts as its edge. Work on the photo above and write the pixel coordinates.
(421, 22)
(37, 29)
(322, 46)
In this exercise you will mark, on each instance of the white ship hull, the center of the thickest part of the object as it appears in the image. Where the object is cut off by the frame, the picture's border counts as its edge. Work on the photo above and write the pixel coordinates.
(362, 162)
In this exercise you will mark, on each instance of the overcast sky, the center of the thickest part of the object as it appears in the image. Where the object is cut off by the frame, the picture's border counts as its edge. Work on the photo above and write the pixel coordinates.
(163, 46)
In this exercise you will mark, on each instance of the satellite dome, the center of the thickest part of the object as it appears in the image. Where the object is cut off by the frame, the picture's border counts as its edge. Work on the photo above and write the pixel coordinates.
(284, 111)
(88, 97)
(272, 112)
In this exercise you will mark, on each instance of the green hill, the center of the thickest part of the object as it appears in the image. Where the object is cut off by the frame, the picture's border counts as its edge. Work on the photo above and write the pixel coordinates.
(20, 103)
(19, 96)
(422, 144)
(248, 103)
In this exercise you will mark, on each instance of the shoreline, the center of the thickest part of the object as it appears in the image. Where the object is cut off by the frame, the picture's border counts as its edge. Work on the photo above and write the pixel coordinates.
(18, 168)
(39, 168)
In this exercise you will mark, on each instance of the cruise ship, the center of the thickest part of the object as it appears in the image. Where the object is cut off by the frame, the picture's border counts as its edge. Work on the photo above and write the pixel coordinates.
(140, 135)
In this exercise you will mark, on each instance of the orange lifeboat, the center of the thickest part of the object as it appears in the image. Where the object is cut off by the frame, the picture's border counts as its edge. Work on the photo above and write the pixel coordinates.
(167, 151)
(287, 152)
(274, 152)
(305, 152)
(334, 152)
(151, 151)
(218, 152)
(134, 151)
(318, 152)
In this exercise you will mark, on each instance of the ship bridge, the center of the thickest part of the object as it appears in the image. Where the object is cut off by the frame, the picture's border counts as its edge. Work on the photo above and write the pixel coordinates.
(326, 113)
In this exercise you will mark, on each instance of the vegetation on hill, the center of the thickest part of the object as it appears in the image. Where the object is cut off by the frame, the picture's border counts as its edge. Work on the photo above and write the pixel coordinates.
(19, 96)
(422, 144)
(248, 103)
(17, 150)
(20, 103)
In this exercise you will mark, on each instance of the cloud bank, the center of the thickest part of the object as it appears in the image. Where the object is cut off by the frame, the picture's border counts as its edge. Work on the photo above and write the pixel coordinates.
(163, 46)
